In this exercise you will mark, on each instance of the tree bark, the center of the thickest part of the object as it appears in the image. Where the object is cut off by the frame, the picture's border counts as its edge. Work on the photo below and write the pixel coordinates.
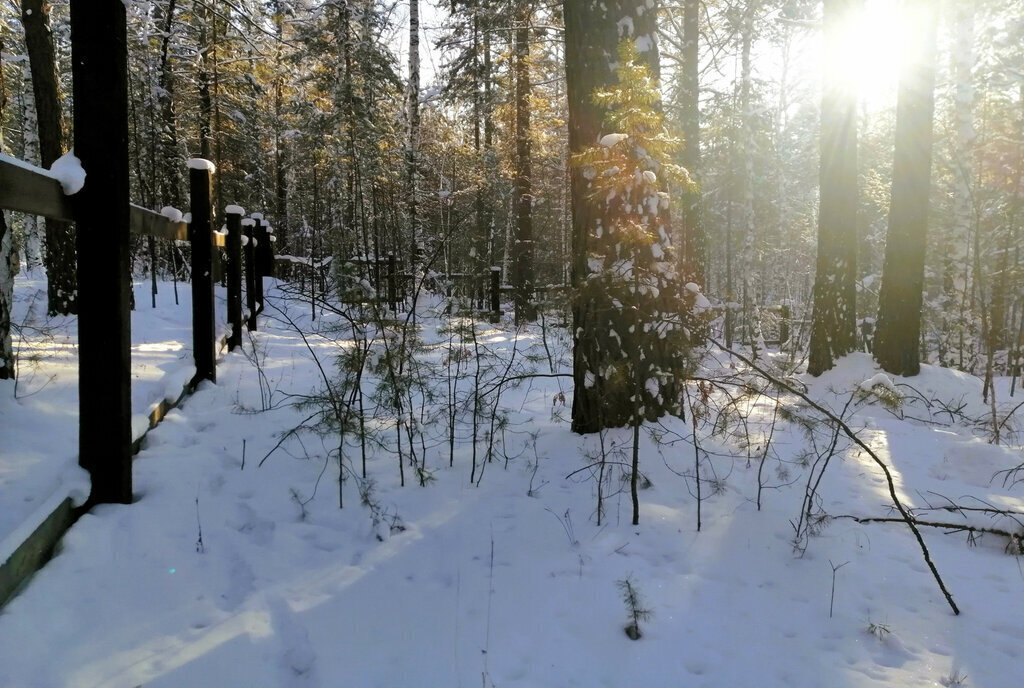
(523, 277)
(6, 276)
(834, 323)
(899, 310)
(413, 113)
(693, 249)
(61, 262)
(605, 349)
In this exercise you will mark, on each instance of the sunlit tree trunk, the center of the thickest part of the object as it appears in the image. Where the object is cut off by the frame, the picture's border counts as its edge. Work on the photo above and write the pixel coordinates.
(834, 325)
(693, 249)
(897, 347)
(61, 261)
(605, 393)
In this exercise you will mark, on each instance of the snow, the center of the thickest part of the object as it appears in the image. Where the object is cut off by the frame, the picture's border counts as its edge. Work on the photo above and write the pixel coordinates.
(650, 177)
(257, 216)
(248, 222)
(171, 213)
(67, 169)
(609, 140)
(234, 210)
(17, 162)
(201, 164)
(226, 574)
(880, 379)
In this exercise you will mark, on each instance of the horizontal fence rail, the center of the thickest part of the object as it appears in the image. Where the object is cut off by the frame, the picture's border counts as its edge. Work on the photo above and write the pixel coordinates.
(26, 189)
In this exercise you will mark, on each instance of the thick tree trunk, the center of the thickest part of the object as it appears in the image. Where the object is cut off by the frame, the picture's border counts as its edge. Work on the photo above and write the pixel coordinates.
(899, 310)
(601, 331)
(61, 262)
(523, 273)
(834, 324)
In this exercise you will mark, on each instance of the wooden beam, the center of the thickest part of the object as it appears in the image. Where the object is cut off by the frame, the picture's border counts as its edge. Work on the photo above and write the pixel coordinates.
(27, 190)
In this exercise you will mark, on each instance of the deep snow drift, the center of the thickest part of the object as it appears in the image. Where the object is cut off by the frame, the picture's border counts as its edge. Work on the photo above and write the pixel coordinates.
(230, 575)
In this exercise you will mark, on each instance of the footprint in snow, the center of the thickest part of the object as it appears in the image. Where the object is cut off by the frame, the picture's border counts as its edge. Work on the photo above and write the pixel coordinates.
(241, 582)
(298, 660)
(248, 522)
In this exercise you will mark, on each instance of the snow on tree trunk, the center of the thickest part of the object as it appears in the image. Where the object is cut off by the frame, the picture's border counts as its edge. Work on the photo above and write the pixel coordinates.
(6, 278)
(834, 327)
(625, 371)
(897, 342)
(61, 261)
(31, 226)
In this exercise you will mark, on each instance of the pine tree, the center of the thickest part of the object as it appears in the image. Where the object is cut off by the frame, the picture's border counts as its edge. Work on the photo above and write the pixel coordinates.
(632, 343)
(834, 328)
(899, 304)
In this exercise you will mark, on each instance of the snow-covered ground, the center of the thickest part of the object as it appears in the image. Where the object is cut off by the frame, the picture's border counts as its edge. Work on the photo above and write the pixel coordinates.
(39, 443)
(224, 574)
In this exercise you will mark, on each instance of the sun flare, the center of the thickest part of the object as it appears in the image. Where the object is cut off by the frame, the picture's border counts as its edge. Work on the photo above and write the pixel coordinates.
(871, 50)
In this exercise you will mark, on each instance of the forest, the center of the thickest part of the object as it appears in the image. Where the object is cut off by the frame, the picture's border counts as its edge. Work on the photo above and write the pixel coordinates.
(725, 298)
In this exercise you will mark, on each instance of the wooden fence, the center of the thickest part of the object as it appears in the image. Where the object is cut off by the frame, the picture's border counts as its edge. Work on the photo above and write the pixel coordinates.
(28, 190)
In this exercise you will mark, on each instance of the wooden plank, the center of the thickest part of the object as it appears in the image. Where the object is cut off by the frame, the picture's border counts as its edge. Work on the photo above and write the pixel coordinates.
(148, 223)
(35, 551)
(26, 191)
(23, 190)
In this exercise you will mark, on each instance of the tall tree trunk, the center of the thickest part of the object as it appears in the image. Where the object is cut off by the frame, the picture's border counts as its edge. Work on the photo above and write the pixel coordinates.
(61, 261)
(601, 399)
(693, 251)
(280, 144)
(899, 310)
(523, 248)
(746, 164)
(834, 323)
(413, 113)
(6, 276)
(203, 78)
(31, 226)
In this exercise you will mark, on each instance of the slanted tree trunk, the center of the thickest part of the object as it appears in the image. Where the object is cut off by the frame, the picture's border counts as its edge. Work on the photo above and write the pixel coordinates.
(834, 323)
(523, 273)
(61, 261)
(899, 303)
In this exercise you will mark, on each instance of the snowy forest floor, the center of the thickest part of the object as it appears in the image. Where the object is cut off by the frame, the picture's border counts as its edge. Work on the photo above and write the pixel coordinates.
(224, 574)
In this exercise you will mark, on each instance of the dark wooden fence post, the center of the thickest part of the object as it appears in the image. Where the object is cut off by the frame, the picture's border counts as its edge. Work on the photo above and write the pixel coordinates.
(259, 236)
(392, 281)
(495, 293)
(250, 274)
(99, 65)
(201, 235)
(234, 270)
(783, 324)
